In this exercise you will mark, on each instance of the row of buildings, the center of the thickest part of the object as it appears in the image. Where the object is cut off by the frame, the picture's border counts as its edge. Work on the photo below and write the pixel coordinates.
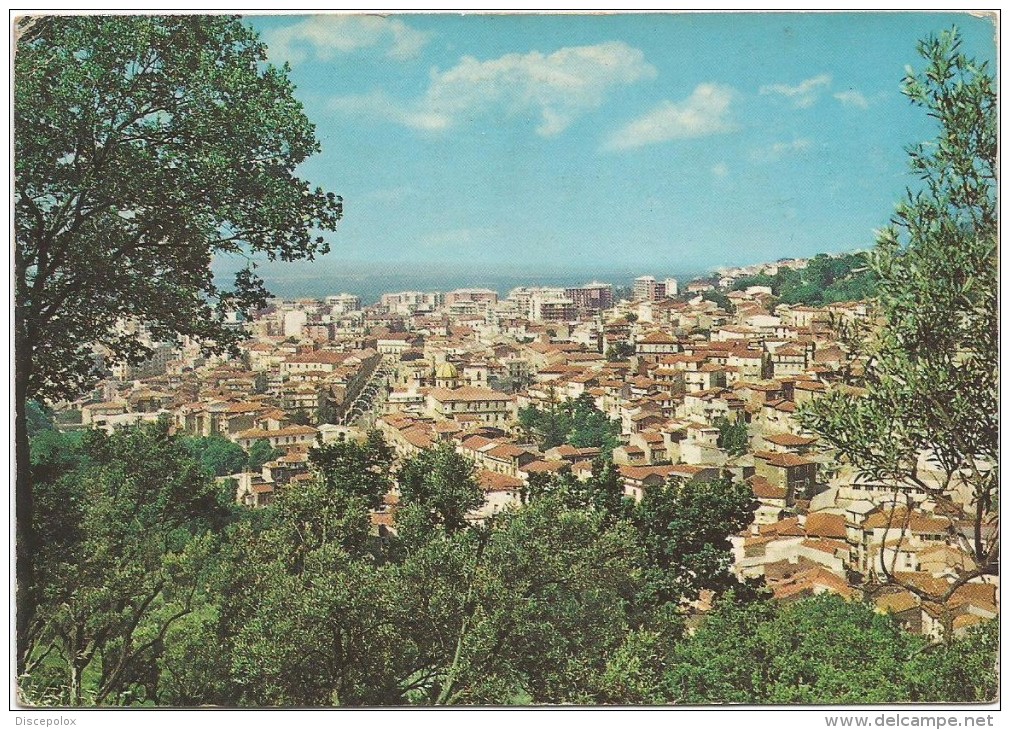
(673, 373)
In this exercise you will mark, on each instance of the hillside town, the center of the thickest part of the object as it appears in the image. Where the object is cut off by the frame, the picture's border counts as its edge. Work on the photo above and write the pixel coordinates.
(490, 359)
(697, 387)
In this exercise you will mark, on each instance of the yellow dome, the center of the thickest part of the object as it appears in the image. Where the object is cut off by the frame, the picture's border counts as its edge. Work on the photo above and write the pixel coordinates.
(446, 371)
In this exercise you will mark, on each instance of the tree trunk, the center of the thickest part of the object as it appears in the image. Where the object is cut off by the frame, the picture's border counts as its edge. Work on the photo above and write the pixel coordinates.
(75, 682)
(25, 537)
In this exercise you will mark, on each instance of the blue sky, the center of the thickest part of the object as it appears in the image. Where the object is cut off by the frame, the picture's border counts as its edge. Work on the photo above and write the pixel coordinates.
(662, 142)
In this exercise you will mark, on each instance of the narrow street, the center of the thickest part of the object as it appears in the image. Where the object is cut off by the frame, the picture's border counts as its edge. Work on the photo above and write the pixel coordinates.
(366, 406)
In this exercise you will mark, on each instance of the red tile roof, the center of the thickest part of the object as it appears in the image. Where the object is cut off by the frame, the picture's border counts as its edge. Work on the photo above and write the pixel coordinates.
(259, 433)
(785, 461)
(507, 451)
(831, 547)
(789, 439)
(657, 338)
(473, 443)
(383, 519)
(809, 581)
(820, 524)
(916, 522)
(789, 527)
(468, 393)
(812, 385)
(491, 481)
(544, 467)
(323, 357)
(763, 489)
(418, 436)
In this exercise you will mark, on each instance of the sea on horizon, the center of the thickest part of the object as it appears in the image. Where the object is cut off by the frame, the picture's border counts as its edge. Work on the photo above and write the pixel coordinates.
(371, 281)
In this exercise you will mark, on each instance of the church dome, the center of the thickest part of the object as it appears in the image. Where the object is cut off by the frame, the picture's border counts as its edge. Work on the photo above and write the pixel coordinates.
(446, 371)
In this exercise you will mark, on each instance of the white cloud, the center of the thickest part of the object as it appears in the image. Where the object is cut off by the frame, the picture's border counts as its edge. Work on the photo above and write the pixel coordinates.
(804, 94)
(325, 37)
(705, 112)
(720, 169)
(557, 88)
(382, 105)
(851, 97)
(777, 151)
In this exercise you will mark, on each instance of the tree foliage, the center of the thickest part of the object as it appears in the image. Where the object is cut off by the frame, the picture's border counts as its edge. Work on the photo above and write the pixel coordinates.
(684, 528)
(620, 351)
(963, 670)
(260, 453)
(39, 418)
(125, 184)
(603, 491)
(821, 650)
(576, 421)
(634, 671)
(442, 486)
(825, 279)
(316, 634)
(127, 532)
(301, 417)
(158, 593)
(733, 436)
(218, 456)
(295, 594)
(143, 147)
(718, 298)
(326, 412)
(932, 368)
(362, 470)
(524, 610)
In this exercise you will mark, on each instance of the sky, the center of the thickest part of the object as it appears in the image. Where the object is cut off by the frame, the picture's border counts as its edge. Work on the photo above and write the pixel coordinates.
(658, 142)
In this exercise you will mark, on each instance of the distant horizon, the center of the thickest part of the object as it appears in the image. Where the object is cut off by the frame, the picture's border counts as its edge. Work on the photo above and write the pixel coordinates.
(371, 279)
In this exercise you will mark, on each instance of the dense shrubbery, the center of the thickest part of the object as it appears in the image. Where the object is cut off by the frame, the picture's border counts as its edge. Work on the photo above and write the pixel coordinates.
(158, 591)
(824, 650)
